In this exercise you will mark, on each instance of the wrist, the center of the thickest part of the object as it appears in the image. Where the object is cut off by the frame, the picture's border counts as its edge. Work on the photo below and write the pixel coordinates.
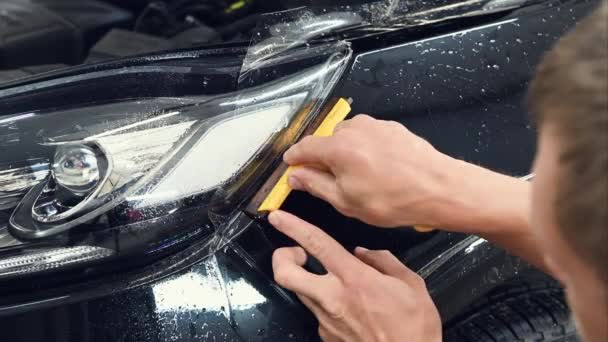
(479, 201)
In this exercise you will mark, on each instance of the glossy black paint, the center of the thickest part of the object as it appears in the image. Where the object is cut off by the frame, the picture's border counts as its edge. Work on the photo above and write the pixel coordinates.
(459, 84)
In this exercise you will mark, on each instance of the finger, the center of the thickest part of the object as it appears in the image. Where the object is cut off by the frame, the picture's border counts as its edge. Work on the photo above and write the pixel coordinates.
(327, 250)
(314, 166)
(327, 333)
(362, 120)
(313, 306)
(289, 273)
(324, 334)
(385, 262)
(310, 150)
(327, 336)
(343, 125)
(318, 183)
(295, 255)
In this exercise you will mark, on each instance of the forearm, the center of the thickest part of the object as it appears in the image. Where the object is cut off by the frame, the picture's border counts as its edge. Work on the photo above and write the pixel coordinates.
(493, 206)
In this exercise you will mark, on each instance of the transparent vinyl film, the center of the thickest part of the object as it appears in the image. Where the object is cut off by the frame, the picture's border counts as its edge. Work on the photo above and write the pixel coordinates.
(139, 175)
(283, 31)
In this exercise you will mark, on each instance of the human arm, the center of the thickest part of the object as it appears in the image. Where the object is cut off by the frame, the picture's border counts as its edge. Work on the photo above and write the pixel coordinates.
(381, 173)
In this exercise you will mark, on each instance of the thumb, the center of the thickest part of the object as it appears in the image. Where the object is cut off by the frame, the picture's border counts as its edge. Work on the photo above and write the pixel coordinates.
(385, 262)
(318, 183)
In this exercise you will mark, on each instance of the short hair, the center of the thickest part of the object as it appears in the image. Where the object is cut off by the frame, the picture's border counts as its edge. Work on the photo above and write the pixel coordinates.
(570, 92)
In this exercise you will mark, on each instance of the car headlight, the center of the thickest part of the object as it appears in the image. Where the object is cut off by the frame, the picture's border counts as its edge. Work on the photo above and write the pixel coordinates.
(94, 166)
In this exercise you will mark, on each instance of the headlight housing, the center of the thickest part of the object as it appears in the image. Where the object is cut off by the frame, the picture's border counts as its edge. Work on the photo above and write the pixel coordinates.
(109, 162)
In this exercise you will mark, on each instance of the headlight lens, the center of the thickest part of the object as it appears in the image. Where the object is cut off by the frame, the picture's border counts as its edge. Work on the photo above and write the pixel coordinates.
(128, 175)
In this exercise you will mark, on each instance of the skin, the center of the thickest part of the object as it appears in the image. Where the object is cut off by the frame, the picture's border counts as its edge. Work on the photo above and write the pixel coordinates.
(364, 172)
(586, 293)
(363, 297)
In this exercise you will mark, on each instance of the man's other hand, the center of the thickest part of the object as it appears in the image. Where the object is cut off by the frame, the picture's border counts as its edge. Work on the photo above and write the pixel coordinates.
(369, 297)
(376, 171)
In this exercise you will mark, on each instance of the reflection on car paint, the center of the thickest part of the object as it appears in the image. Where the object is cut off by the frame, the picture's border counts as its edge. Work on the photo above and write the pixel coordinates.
(205, 290)
(214, 300)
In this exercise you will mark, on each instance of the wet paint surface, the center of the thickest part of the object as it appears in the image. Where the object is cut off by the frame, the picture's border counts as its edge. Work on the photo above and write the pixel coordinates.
(462, 90)
(222, 298)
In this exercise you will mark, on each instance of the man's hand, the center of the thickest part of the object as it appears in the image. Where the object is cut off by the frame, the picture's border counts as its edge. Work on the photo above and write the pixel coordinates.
(373, 170)
(367, 298)
(382, 174)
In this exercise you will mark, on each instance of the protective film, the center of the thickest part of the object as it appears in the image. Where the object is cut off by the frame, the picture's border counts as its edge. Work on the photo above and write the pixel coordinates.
(332, 59)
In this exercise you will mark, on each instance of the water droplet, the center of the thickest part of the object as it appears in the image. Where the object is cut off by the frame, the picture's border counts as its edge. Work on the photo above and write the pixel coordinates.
(518, 40)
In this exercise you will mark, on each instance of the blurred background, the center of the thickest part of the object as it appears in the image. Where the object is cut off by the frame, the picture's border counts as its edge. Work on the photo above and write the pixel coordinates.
(42, 35)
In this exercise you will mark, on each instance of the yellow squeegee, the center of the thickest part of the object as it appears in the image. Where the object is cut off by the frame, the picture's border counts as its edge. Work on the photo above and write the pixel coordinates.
(281, 190)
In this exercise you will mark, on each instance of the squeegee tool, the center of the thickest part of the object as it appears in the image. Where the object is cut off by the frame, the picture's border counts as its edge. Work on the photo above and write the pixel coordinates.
(276, 189)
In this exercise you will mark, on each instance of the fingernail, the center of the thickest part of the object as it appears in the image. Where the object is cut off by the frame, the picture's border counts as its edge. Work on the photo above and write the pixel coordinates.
(274, 218)
(294, 183)
(361, 250)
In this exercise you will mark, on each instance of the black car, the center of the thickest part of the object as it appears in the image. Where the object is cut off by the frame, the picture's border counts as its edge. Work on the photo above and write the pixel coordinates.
(124, 178)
